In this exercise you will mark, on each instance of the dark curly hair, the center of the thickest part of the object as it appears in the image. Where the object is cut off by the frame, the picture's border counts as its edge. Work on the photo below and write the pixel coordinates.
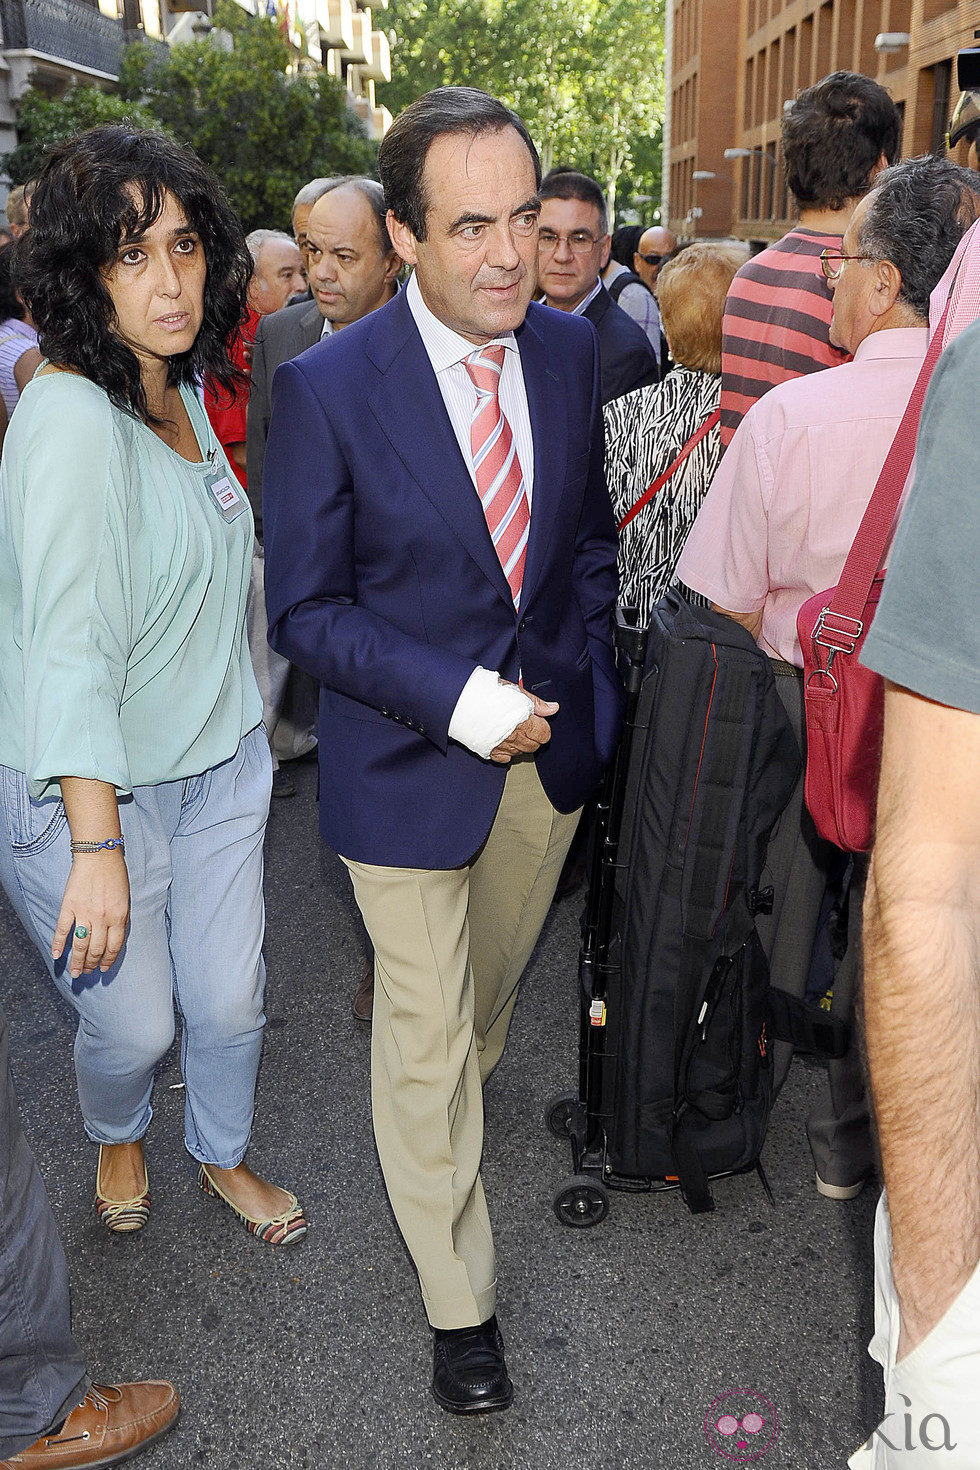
(834, 134)
(97, 190)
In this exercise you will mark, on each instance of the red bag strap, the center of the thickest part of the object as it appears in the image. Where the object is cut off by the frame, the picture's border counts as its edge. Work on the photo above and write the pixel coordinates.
(868, 549)
(672, 469)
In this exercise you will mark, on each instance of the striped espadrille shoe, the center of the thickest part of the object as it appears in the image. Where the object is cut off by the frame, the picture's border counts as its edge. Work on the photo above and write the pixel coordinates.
(122, 1216)
(284, 1229)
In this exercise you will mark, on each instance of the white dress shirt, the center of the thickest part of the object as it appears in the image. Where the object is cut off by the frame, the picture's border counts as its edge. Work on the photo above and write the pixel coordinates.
(447, 351)
(486, 711)
(326, 329)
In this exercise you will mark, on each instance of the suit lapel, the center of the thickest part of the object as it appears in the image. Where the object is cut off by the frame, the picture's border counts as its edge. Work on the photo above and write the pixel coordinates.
(598, 307)
(410, 410)
(310, 326)
(546, 405)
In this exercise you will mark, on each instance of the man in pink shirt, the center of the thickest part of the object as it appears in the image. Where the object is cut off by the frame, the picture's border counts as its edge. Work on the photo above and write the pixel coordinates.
(776, 527)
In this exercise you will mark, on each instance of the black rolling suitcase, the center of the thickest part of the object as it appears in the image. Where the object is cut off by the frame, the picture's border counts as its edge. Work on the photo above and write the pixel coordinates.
(677, 1014)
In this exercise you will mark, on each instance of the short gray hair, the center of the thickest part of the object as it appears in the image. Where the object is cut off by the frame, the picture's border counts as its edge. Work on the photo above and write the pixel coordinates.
(310, 193)
(917, 214)
(375, 196)
(258, 238)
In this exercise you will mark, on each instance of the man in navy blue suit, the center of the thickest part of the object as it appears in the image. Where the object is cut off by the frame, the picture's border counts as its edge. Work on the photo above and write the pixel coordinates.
(441, 556)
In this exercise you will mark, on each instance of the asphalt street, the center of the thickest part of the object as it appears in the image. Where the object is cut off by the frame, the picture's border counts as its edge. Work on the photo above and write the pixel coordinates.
(619, 1337)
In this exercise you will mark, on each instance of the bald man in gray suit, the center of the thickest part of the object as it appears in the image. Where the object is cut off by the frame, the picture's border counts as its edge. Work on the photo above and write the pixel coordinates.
(352, 270)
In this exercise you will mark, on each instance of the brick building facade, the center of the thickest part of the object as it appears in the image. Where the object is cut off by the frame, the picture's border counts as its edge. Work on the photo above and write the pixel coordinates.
(732, 65)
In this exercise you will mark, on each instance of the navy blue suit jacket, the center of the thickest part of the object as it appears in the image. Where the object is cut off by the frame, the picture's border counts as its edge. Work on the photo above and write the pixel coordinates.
(383, 582)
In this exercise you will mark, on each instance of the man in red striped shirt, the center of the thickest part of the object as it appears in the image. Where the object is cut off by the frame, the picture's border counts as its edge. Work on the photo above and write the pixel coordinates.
(837, 136)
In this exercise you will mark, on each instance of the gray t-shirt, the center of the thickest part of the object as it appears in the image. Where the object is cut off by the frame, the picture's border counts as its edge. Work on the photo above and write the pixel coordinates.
(926, 633)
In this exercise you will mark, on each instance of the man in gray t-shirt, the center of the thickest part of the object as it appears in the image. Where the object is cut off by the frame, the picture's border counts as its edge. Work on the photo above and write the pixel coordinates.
(922, 936)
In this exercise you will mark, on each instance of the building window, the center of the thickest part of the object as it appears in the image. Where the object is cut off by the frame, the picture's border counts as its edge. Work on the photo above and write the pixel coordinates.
(806, 51)
(942, 77)
(825, 24)
(933, 8)
(900, 107)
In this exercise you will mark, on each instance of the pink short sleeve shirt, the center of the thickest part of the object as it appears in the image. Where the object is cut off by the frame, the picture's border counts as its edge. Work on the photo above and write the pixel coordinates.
(788, 497)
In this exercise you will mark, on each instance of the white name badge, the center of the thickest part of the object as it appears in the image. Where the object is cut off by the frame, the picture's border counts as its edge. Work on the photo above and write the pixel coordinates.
(227, 497)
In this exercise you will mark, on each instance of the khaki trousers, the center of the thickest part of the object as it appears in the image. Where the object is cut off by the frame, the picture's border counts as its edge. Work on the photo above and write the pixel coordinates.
(450, 947)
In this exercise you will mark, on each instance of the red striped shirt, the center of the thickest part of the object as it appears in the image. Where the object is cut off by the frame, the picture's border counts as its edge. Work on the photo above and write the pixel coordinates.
(776, 324)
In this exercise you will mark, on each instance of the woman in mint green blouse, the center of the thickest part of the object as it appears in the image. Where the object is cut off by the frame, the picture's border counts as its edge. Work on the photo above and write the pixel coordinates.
(134, 771)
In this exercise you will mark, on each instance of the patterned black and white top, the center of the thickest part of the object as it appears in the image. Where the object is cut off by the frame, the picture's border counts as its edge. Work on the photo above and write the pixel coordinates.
(645, 432)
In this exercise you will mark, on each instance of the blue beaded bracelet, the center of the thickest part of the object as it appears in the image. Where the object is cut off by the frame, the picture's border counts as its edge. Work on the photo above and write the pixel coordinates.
(108, 846)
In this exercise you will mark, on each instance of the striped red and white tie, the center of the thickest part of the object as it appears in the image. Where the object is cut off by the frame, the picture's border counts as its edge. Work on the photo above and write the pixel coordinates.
(499, 477)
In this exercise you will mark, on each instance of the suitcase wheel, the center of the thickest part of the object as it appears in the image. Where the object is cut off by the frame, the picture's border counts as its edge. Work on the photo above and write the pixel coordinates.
(563, 1114)
(581, 1202)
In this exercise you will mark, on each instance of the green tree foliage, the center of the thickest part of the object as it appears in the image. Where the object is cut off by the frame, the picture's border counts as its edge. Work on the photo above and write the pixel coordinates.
(264, 132)
(43, 121)
(586, 75)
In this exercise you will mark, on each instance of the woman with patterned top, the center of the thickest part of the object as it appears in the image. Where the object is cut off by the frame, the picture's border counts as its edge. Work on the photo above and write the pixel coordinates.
(648, 430)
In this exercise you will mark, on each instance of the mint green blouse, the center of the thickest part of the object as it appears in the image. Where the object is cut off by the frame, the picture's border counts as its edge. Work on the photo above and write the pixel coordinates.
(123, 654)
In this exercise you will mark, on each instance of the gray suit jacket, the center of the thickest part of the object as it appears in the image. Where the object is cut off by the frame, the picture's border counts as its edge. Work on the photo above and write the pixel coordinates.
(279, 337)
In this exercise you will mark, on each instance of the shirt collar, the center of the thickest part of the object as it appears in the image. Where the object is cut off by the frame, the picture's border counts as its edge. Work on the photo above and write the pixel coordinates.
(893, 342)
(580, 309)
(445, 347)
(327, 328)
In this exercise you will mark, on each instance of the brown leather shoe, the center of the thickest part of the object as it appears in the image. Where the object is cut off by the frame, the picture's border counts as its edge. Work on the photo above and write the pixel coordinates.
(110, 1426)
(364, 994)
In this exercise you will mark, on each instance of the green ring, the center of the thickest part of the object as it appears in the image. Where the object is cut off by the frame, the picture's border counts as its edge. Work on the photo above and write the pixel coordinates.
(80, 931)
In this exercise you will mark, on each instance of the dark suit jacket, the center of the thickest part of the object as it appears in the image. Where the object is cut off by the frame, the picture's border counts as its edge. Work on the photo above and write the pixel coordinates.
(383, 582)
(626, 356)
(279, 336)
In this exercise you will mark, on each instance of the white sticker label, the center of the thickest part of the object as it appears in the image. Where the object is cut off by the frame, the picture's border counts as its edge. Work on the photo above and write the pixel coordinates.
(225, 494)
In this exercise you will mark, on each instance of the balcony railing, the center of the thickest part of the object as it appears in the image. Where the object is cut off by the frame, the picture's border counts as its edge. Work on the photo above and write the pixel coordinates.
(69, 30)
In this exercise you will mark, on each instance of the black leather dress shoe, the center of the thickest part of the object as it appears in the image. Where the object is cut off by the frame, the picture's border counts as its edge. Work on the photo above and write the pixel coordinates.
(469, 1375)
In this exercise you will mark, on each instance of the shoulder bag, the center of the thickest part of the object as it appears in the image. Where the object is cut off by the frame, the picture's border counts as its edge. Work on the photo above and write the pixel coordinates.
(843, 700)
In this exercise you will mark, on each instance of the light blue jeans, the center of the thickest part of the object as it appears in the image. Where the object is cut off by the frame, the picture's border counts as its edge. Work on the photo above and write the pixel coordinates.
(197, 919)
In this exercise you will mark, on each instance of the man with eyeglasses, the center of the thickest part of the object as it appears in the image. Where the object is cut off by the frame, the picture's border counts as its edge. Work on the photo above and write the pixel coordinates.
(776, 527)
(573, 247)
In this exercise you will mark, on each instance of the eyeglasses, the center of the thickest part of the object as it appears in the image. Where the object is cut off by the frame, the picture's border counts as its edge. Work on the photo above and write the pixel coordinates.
(580, 242)
(832, 262)
(653, 259)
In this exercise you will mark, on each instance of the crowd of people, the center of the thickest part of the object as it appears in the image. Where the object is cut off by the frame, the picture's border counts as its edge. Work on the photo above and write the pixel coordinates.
(369, 493)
